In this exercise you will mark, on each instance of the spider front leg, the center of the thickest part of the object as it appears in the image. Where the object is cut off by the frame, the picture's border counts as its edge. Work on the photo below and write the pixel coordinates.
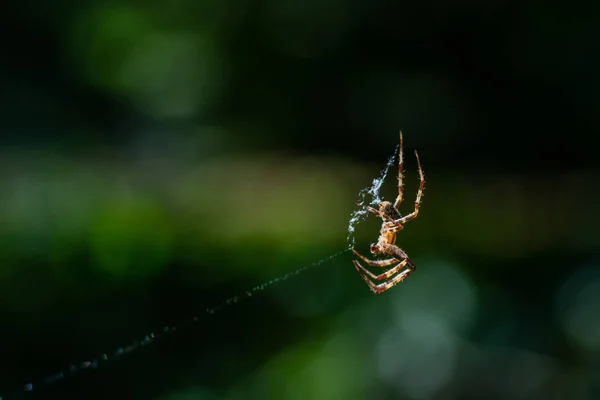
(400, 175)
(383, 216)
(414, 214)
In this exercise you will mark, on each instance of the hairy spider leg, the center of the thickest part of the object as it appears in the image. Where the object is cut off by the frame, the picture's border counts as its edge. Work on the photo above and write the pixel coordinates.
(383, 216)
(400, 175)
(385, 275)
(377, 263)
(392, 227)
(391, 250)
(382, 287)
(414, 214)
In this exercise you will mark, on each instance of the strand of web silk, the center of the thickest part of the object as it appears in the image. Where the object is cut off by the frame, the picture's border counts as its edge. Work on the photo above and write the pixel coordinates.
(167, 330)
(359, 215)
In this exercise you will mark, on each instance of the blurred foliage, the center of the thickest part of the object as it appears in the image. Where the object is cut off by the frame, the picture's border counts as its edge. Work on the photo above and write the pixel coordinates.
(157, 158)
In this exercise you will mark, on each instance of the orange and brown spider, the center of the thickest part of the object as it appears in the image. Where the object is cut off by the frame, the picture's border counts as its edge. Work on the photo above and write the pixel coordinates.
(386, 244)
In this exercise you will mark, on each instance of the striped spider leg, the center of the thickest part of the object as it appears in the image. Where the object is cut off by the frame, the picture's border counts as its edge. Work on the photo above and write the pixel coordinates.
(393, 222)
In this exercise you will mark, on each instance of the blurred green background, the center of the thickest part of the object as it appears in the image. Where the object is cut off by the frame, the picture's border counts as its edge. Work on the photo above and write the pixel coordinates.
(159, 157)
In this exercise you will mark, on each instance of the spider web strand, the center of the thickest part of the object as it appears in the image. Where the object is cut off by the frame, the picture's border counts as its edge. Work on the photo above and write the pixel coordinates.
(166, 330)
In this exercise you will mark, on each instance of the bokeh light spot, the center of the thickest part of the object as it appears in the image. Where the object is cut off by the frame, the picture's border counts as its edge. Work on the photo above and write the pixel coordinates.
(442, 291)
(130, 239)
(578, 308)
(171, 75)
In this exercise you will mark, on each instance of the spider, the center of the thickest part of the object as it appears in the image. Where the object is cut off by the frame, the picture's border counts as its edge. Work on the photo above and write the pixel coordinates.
(386, 244)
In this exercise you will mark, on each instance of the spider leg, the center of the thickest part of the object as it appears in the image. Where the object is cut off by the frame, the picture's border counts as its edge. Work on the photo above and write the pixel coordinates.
(414, 214)
(383, 276)
(400, 175)
(376, 263)
(383, 216)
(382, 287)
(390, 227)
(395, 252)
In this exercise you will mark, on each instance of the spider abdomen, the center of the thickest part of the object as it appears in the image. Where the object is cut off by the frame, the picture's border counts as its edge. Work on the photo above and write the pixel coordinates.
(390, 210)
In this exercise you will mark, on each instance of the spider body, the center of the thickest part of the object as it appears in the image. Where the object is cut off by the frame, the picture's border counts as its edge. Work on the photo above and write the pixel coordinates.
(386, 236)
(392, 222)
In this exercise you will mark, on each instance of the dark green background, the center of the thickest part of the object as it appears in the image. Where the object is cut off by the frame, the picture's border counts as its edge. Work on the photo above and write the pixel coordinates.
(159, 157)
